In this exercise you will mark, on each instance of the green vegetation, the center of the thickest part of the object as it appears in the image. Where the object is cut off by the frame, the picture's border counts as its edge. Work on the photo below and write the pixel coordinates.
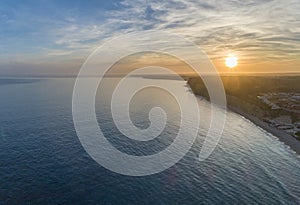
(268, 98)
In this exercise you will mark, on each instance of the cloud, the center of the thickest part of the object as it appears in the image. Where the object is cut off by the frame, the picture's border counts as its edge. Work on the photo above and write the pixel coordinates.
(226, 25)
(256, 29)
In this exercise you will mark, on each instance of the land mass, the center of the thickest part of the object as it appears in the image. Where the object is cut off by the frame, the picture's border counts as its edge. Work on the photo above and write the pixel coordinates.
(271, 102)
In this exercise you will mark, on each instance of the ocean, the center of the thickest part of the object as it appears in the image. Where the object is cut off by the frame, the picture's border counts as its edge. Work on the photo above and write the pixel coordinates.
(43, 162)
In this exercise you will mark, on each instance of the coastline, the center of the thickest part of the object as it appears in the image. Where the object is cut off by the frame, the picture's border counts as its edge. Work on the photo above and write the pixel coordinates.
(242, 94)
(284, 137)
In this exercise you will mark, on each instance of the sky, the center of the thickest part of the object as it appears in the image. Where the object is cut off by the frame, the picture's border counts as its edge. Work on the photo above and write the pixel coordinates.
(55, 37)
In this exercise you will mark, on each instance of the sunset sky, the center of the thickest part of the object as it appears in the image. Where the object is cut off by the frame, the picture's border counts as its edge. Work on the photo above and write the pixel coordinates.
(55, 37)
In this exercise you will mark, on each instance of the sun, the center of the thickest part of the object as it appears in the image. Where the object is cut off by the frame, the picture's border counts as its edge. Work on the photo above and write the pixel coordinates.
(231, 61)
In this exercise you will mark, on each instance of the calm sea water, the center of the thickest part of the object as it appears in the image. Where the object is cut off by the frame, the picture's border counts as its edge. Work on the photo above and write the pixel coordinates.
(43, 162)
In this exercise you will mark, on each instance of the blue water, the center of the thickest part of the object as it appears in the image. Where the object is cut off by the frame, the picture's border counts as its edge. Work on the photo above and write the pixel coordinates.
(43, 162)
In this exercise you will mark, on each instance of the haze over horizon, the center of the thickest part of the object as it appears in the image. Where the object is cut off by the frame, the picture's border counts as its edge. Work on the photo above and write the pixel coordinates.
(51, 38)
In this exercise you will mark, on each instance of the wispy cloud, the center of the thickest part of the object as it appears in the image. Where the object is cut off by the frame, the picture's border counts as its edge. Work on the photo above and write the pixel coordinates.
(257, 30)
(267, 28)
(222, 26)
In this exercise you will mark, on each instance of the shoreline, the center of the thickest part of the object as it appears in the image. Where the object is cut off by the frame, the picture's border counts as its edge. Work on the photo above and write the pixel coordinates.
(242, 94)
(284, 137)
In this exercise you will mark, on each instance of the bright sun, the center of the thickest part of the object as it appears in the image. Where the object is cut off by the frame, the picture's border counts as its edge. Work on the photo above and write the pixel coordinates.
(231, 61)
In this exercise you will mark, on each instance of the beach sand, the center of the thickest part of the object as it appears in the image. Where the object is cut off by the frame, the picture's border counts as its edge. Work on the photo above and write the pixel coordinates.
(287, 139)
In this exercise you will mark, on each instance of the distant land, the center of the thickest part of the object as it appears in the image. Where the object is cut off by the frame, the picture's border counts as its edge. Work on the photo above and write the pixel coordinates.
(269, 101)
(147, 75)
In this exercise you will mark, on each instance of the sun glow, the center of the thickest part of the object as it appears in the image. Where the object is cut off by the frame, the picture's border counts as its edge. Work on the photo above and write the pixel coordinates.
(231, 61)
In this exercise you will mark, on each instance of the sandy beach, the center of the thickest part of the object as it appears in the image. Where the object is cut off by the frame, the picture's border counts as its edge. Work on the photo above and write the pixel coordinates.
(242, 98)
(287, 139)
